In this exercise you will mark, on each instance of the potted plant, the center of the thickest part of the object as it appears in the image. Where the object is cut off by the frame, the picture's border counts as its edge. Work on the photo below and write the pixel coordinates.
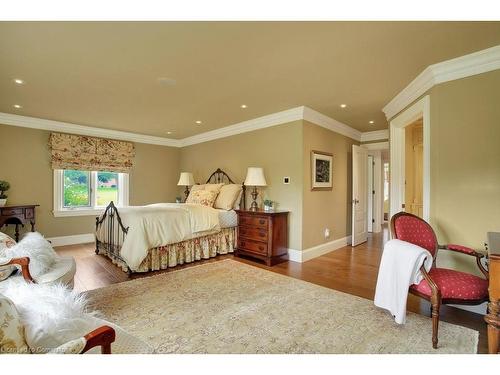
(268, 205)
(4, 186)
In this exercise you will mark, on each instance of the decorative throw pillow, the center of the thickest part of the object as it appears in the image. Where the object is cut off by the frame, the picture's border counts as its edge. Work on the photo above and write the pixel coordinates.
(227, 196)
(196, 188)
(5, 243)
(213, 187)
(209, 187)
(203, 197)
(12, 339)
(38, 249)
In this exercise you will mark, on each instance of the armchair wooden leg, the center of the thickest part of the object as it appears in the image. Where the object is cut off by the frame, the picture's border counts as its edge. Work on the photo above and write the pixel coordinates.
(436, 304)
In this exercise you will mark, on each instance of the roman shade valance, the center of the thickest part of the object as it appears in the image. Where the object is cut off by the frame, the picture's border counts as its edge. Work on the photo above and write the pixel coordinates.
(80, 152)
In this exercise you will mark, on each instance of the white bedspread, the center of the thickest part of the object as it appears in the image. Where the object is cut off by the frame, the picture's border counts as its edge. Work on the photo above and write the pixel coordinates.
(399, 268)
(162, 224)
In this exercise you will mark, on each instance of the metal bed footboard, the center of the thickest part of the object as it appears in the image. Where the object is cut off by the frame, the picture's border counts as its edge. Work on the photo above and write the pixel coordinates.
(113, 233)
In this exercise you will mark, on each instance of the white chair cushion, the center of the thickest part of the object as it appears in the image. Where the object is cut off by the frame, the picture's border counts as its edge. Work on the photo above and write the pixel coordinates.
(62, 271)
(12, 339)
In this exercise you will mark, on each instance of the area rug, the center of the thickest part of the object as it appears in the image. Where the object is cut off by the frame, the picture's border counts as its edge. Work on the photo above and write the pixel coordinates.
(231, 307)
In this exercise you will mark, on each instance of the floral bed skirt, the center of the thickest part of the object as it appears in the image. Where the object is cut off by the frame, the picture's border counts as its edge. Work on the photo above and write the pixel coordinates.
(163, 257)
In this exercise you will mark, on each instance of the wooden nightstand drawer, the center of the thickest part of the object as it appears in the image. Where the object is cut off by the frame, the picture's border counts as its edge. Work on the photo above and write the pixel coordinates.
(253, 246)
(12, 211)
(259, 234)
(263, 235)
(256, 221)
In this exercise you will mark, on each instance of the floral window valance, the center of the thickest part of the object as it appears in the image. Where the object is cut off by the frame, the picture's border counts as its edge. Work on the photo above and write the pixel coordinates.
(80, 152)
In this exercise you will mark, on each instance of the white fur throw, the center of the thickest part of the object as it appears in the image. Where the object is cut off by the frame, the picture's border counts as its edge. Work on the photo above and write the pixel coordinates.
(38, 249)
(52, 315)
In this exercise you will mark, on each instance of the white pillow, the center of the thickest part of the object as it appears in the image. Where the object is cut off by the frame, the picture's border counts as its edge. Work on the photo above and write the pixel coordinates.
(38, 249)
(52, 315)
(227, 196)
(238, 200)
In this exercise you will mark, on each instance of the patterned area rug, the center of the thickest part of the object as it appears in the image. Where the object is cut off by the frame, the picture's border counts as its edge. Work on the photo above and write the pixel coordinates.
(231, 307)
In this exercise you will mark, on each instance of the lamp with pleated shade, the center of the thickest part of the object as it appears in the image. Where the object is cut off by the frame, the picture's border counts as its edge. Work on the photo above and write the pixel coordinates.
(186, 179)
(255, 177)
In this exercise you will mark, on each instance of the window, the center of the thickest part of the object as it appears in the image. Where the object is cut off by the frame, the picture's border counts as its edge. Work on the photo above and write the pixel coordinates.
(78, 193)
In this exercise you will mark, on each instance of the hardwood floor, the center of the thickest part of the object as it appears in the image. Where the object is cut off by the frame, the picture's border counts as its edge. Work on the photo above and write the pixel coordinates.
(350, 270)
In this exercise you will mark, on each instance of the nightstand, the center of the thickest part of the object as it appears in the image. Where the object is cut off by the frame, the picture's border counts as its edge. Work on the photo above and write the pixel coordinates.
(263, 235)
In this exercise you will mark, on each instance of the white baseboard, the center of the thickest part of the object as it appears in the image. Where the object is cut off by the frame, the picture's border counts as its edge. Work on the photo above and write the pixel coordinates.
(478, 309)
(316, 251)
(72, 240)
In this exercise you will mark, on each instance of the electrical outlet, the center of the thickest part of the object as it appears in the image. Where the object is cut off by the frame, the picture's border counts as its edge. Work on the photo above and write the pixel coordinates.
(286, 180)
(327, 233)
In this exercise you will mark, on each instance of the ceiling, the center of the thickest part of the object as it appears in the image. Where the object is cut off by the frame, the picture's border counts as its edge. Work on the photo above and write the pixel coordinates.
(107, 74)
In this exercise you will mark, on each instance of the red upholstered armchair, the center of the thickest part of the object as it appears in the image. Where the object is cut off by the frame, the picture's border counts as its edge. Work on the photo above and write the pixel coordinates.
(440, 285)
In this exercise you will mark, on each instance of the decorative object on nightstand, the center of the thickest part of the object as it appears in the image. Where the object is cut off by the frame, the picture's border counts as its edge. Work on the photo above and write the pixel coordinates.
(268, 205)
(4, 186)
(186, 179)
(263, 235)
(255, 177)
(178, 200)
(18, 215)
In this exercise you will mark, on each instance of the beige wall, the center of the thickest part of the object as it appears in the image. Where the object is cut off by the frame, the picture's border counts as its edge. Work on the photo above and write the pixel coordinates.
(465, 162)
(277, 149)
(327, 209)
(26, 165)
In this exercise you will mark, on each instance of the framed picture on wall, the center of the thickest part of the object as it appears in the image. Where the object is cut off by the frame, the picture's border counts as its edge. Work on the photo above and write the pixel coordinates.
(321, 170)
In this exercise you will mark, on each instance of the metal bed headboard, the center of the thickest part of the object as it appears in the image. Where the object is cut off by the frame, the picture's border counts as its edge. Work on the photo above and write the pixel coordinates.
(219, 177)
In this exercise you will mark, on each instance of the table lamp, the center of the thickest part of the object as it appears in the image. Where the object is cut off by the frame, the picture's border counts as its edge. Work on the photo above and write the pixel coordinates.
(255, 177)
(186, 179)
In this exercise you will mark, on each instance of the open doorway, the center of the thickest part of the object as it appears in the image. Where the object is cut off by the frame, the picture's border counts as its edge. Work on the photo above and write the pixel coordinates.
(402, 127)
(375, 189)
(414, 163)
(386, 181)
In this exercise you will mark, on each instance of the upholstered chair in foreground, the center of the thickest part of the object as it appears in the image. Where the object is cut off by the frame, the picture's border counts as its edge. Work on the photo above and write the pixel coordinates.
(440, 285)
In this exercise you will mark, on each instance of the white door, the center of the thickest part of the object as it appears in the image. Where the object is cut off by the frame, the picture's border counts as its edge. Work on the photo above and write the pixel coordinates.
(359, 194)
(371, 191)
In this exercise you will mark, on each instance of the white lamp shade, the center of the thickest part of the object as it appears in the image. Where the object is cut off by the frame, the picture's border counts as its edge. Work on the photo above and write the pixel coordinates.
(255, 177)
(186, 179)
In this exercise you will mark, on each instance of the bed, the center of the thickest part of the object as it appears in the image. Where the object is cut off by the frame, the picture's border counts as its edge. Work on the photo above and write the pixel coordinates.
(164, 235)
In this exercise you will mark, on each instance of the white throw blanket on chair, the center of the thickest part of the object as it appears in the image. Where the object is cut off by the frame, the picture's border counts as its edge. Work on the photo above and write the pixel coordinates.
(399, 268)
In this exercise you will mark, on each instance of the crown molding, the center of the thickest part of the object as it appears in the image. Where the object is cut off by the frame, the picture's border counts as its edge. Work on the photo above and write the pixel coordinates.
(267, 121)
(375, 135)
(66, 127)
(278, 118)
(328, 123)
(377, 146)
(461, 67)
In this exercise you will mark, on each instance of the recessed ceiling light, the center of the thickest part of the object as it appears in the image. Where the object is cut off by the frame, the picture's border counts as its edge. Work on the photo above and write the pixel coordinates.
(19, 81)
(17, 106)
(371, 122)
(198, 122)
(243, 106)
(343, 105)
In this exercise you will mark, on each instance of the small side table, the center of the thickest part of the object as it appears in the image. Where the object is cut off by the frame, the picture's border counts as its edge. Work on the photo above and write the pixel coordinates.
(263, 235)
(19, 216)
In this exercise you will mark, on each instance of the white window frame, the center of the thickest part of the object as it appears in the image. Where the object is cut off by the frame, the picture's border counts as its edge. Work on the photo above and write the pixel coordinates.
(61, 211)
